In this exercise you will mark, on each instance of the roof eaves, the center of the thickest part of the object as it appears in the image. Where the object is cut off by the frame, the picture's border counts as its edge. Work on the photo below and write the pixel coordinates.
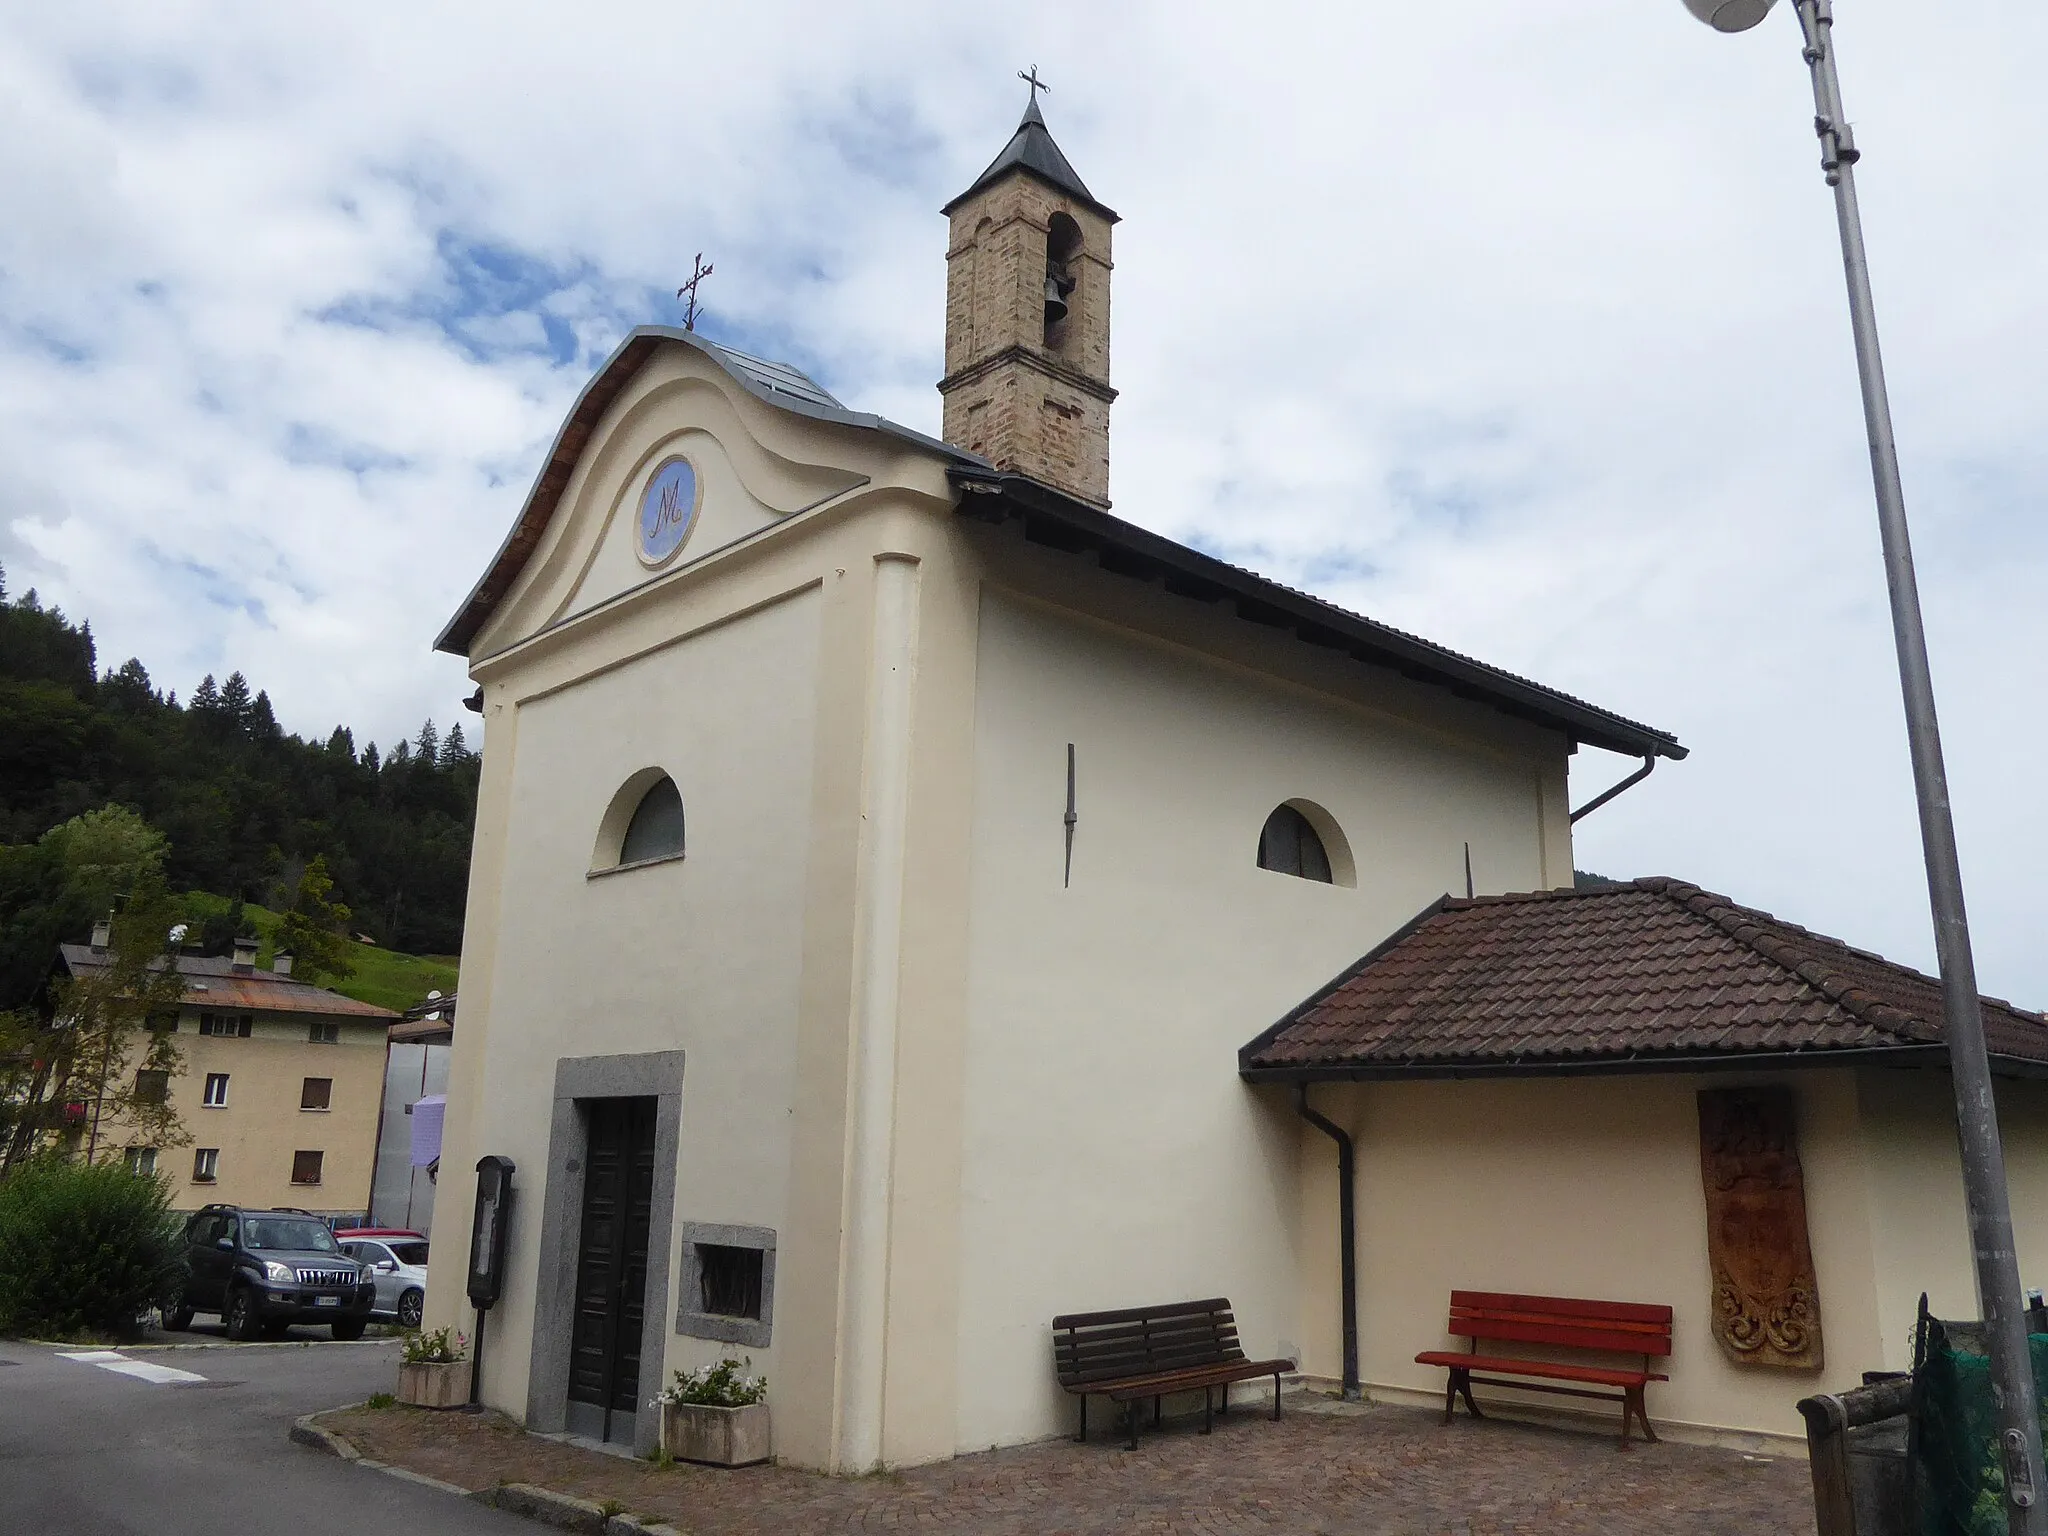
(1615, 1064)
(996, 496)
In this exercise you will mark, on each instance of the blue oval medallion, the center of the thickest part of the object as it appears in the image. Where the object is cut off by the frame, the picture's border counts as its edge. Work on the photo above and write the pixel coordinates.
(668, 511)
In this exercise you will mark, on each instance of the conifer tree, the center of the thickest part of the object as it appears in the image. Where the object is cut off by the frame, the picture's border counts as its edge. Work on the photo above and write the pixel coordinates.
(315, 927)
(262, 720)
(234, 700)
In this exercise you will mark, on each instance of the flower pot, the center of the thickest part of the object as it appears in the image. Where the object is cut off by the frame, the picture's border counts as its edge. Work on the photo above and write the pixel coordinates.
(445, 1385)
(719, 1437)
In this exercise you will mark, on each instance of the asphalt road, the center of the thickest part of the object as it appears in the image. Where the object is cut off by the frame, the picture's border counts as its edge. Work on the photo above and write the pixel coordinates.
(88, 1451)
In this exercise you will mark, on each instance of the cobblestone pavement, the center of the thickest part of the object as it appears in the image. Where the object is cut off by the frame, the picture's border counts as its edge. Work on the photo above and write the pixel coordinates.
(1385, 1471)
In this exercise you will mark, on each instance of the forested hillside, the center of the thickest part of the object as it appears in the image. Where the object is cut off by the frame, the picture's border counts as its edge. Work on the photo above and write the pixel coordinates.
(244, 806)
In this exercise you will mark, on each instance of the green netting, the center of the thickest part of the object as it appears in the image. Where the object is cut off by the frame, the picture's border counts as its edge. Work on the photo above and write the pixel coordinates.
(1962, 1481)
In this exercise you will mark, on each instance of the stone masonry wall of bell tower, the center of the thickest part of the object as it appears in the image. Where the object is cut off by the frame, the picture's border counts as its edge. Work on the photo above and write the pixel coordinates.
(1028, 399)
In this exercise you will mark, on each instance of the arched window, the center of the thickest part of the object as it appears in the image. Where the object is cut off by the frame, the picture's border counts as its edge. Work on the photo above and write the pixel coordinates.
(1290, 845)
(643, 823)
(656, 830)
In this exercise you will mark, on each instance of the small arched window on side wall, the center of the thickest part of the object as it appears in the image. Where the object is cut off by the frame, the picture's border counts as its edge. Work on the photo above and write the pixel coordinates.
(1303, 840)
(643, 825)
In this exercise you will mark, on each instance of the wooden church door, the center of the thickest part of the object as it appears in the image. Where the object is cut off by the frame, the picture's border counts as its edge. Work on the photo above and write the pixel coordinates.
(611, 1269)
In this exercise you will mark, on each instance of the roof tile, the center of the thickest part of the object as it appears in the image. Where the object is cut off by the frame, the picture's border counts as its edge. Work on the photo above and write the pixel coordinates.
(1652, 968)
(213, 981)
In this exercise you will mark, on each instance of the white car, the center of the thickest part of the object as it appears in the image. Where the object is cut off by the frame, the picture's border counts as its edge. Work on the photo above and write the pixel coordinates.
(399, 1266)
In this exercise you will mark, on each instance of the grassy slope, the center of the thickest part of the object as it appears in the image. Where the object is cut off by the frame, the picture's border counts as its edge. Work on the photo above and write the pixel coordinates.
(382, 976)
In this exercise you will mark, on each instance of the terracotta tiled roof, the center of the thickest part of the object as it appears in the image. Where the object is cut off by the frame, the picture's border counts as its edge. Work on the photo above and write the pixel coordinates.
(428, 1023)
(212, 981)
(1645, 972)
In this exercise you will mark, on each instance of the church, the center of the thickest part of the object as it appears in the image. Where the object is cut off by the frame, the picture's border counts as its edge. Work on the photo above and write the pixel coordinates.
(906, 900)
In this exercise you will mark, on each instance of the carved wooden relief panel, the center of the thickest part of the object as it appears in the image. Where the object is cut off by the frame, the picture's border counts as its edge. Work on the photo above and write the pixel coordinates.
(1766, 1304)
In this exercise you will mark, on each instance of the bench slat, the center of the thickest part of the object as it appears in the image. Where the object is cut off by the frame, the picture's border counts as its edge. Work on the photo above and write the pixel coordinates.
(1178, 1381)
(1619, 1327)
(1090, 1358)
(1152, 1348)
(1504, 1365)
(1144, 1337)
(1562, 1306)
(1212, 1338)
(1570, 1338)
(1558, 1319)
(1133, 1314)
(1179, 1338)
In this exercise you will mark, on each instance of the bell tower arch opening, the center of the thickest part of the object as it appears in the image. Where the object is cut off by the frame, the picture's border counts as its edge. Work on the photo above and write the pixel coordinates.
(1062, 276)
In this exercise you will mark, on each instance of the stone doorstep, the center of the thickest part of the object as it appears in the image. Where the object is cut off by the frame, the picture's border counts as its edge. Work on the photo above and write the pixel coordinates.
(561, 1510)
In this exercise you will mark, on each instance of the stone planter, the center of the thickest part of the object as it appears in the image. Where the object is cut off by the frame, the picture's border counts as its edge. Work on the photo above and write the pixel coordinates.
(434, 1386)
(720, 1437)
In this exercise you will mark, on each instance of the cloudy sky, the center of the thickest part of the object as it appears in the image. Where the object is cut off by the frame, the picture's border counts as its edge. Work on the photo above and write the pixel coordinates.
(1519, 326)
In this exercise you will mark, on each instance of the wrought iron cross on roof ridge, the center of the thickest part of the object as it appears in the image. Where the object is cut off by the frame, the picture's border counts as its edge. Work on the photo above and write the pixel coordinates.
(1036, 84)
(698, 272)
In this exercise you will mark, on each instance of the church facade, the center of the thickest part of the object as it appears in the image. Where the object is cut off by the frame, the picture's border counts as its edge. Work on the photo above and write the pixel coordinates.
(883, 853)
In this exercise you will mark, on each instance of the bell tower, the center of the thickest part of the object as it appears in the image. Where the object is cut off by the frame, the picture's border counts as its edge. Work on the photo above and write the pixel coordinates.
(1027, 317)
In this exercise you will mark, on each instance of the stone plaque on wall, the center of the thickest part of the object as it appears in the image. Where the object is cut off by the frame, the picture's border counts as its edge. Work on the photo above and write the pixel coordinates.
(1766, 1304)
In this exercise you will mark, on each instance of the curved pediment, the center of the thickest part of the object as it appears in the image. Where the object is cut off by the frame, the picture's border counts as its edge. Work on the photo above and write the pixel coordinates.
(761, 442)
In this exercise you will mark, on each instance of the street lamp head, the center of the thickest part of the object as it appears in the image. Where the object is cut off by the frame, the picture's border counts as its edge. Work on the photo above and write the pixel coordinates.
(1730, 15)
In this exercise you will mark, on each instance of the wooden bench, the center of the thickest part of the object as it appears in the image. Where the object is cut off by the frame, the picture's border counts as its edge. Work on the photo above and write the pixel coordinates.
(1148, 1352)
(1608, 1327)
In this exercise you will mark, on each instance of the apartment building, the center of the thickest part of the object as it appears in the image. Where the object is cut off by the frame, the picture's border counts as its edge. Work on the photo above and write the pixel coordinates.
(279, 1086)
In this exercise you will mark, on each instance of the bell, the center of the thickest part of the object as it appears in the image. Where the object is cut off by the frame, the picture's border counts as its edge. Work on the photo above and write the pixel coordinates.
(1055, 301)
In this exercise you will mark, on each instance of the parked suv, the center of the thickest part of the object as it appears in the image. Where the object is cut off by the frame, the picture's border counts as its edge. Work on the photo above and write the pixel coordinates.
(262, 1271)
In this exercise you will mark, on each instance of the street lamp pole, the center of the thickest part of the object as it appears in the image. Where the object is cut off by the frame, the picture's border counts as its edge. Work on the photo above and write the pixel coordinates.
(1984, 1186)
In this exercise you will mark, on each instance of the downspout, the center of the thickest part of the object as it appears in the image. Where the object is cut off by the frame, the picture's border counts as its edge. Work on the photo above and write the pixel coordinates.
(1649, 767)
(1347, 1227)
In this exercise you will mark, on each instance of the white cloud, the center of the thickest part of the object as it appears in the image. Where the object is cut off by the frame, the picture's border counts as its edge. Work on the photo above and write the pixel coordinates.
(1520, 327)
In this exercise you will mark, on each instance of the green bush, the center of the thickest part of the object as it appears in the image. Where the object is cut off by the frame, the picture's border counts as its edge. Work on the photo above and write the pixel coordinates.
(84, 1249)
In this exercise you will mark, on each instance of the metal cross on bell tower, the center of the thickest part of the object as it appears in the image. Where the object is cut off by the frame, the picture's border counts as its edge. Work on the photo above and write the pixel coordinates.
(1036, 84)
(688, 292)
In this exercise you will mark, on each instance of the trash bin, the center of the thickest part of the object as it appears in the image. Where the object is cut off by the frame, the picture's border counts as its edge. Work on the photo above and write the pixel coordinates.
(1859, 1445)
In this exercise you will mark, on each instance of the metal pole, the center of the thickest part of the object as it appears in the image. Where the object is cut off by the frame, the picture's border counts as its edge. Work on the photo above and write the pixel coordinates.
(1984, 1187)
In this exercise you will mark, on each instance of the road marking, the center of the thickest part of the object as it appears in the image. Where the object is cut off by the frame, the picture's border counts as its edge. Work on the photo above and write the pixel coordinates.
(121, 1365)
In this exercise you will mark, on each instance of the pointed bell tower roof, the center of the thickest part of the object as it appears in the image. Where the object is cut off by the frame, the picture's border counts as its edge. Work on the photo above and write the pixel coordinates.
(1032, 151)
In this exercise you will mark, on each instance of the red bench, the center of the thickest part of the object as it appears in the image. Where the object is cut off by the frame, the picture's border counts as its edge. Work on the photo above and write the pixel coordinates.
(1606, 1327)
